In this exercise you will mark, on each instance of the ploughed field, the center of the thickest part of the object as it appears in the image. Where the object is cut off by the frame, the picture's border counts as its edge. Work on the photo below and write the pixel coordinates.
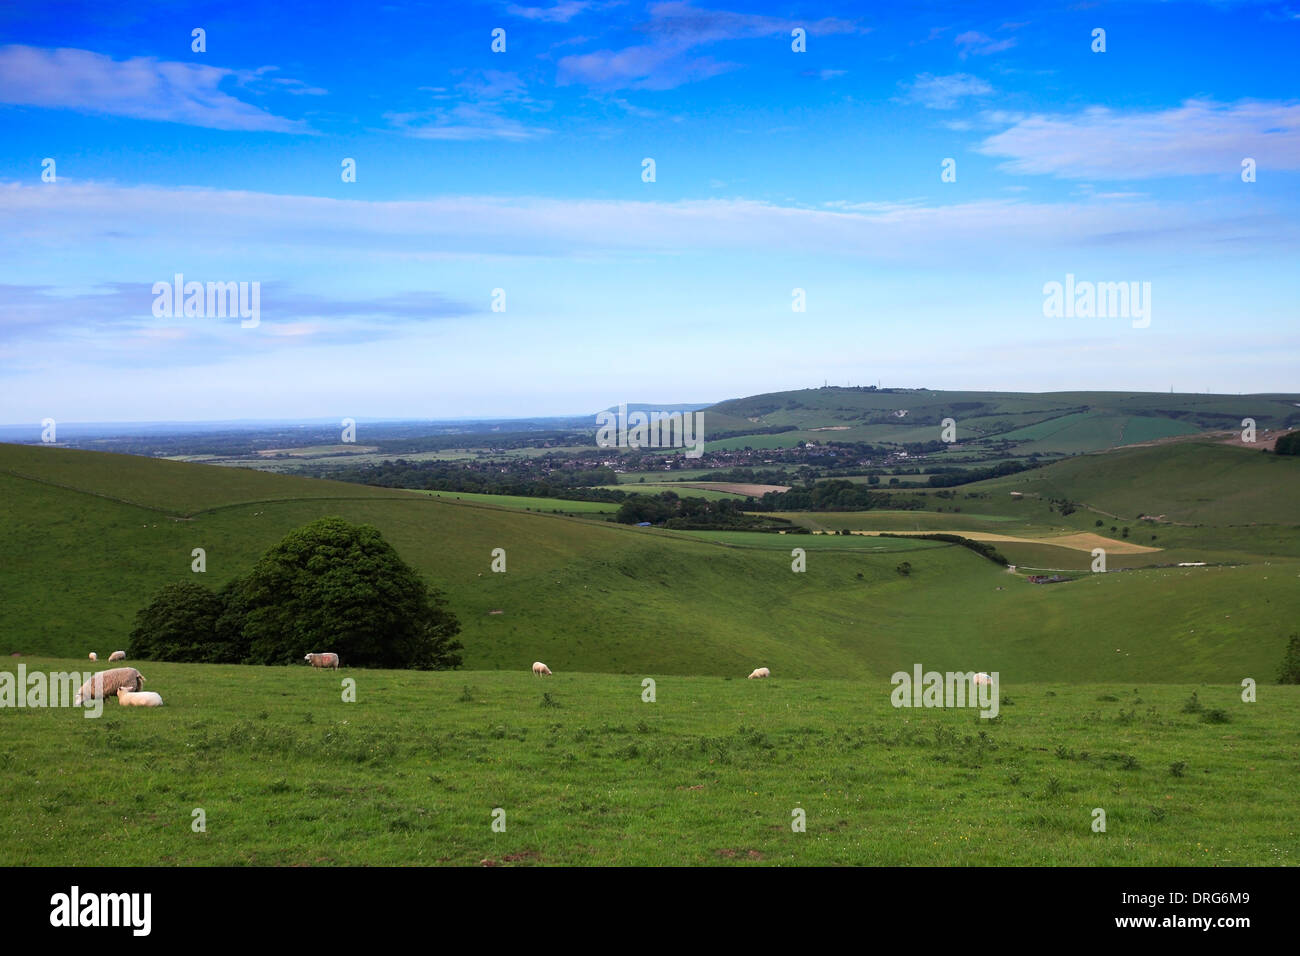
(287, 773)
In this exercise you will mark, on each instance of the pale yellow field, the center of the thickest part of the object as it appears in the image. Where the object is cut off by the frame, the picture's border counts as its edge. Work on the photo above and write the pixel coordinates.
(1082, 541)
(735, 488)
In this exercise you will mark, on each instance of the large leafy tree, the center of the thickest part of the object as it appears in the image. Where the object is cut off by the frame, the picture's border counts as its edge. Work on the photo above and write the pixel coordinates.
(335, 586)
(180, 624)
(328, 586)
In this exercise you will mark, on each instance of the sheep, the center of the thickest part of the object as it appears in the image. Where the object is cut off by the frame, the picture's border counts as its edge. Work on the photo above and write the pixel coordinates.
(94, 656)
(759, 672)
(539, 669)
(982, 678)
(106, 683)
(328, 659)
(117, 656)
(144, 698)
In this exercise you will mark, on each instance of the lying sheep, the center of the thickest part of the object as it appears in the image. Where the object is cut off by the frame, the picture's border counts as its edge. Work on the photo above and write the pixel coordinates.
(144, 698)
(117, 656)
(539, 669)
(759, 672)
(105, 684)
(323, 660)
(94, 656)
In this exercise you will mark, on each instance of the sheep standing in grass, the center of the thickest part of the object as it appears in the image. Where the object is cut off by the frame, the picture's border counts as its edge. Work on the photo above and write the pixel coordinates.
(759, 672)
(323, 660)
(144, 698)
(982, 678)
(541, 669)
(117, 656)
(105, 684)
(94, 656)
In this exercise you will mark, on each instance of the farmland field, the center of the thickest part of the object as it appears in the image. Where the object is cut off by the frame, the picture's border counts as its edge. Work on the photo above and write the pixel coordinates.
(1095, 674)
(587, 772)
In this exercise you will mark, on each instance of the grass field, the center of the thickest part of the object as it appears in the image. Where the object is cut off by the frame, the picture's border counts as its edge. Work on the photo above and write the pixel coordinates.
(286, 773)
(589, 595)
(1094, 676)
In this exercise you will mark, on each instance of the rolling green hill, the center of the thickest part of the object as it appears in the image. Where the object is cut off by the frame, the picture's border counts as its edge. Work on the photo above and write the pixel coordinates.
(90, 537)
(1195, 482)
(1051, 423)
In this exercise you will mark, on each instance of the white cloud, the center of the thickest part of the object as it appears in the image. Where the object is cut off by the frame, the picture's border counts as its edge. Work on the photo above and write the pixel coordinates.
(974, 42)
(480, 113)
(269, 228)
(140, 88)
(562, 12)
(1198, 137)
(945, 92)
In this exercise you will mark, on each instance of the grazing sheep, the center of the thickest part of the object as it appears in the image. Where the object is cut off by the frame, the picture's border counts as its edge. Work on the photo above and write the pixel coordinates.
(329, 659)
(759, 672)
(982, 678)
(94, 656)
(106, 683)
(144, 698)
(117, 656)
(539, 669)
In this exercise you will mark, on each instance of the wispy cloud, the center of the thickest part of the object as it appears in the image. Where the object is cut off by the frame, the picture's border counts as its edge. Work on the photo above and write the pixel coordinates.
(139, 88)
(117, 318)
(561, 12)
(972, 42)
(1196, 138)
(945, 92)
(677, 31)
(282, 228)
(479, 113)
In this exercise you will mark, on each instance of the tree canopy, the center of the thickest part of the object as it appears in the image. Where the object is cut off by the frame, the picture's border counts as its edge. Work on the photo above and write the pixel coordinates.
(327, 586)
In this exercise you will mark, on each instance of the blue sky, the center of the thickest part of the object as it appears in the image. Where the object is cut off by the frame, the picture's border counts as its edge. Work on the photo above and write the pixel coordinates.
(522, 170)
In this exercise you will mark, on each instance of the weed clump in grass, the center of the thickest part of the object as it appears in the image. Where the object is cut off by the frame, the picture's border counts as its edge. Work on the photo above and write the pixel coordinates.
(548, 700)
(1290, 671)
(1179, 768)
(466, 695)
(1193, 705)
(1215, 716)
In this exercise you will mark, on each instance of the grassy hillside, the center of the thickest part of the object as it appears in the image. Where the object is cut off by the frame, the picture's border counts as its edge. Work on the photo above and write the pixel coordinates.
(588, 595)
(586, 772)
(1195, 482)
(1051, 423)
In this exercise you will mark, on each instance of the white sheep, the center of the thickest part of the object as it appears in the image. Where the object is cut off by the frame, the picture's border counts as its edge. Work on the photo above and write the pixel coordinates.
(106, 683)
(328, 659)
(982, 678)
(94, 656)
(117, 656)
(539, 669)
(759, 672)
(143, 698)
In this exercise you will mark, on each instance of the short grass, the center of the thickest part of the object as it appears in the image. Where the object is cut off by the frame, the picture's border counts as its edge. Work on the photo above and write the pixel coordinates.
(587, 773)
(521, 503)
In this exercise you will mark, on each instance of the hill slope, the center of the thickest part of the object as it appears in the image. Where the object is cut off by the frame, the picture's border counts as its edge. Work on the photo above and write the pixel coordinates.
(592, 596)
(1046, 423)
